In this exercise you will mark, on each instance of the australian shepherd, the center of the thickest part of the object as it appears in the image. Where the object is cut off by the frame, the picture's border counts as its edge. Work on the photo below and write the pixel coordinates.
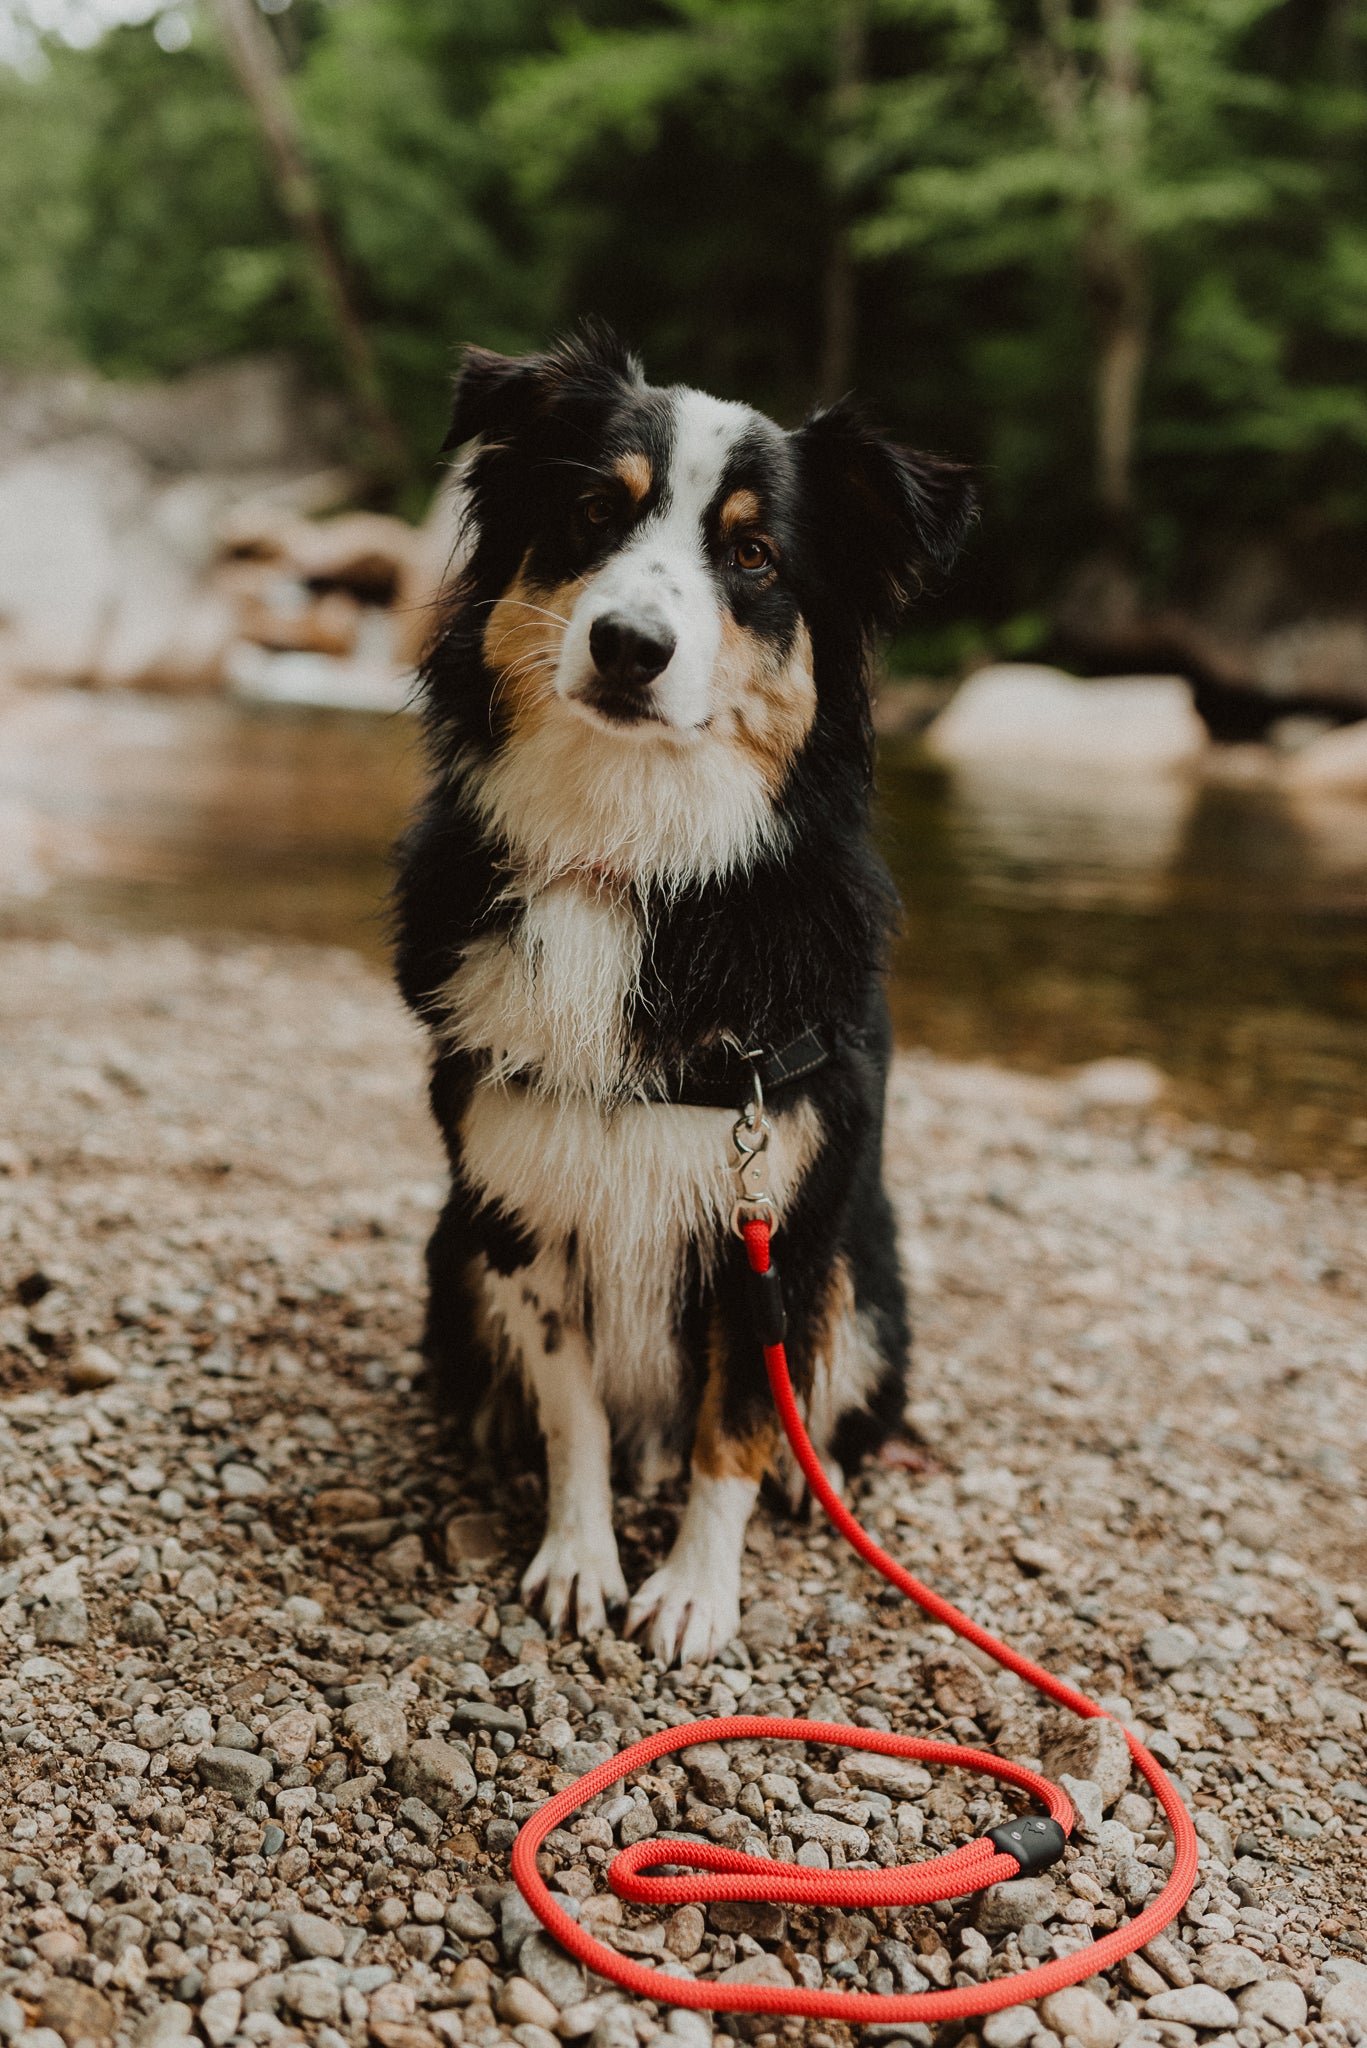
(642, 876)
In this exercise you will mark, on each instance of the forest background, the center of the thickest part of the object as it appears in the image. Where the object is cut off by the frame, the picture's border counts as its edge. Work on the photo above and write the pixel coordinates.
(1112, 254)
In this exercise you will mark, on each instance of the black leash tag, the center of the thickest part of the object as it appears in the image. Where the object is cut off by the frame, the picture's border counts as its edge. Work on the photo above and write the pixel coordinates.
(1034, 1840)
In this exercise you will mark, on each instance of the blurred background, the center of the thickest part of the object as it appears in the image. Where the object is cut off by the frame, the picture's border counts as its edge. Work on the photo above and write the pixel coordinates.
(1111, 252)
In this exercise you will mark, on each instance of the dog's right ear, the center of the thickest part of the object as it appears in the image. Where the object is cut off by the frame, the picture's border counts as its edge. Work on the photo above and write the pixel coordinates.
(496, 395)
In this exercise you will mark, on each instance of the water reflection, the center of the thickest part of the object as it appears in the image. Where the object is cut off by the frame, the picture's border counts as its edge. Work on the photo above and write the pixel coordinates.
(1218, 929)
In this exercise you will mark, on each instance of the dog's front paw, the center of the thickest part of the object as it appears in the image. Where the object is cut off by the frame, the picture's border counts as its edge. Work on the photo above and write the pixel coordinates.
(569, 1575)
(687, 1618)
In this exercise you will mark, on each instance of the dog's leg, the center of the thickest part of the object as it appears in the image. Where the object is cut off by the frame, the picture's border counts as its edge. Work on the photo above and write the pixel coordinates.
(690, 1608)
(576, 1568)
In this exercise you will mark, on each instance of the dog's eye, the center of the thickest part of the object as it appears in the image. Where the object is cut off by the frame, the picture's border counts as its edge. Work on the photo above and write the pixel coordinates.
(598, 509)
(752, 554)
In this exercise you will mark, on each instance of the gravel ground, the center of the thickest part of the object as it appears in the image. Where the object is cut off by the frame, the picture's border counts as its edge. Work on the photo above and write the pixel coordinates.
(270, 1709)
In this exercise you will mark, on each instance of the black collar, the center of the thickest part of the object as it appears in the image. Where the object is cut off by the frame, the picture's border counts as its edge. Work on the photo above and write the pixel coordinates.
(722, 1078)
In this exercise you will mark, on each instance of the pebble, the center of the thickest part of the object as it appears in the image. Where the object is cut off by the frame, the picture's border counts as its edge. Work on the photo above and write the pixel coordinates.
(239, 1773)
(1171, 1648)
(1003, 1908)
(521, 2002)
(377, 1728)
(1079, 2012)
(1279, 2000)
(436, 1772)
(1095, 1750)
(1229, 1967)
(467, 1918)
(169, 2022)
(1194, 2005)
(548, 1967)
(91, 1366)
(242, 1482)
(219, 2016)
(1012, 2027)
(311, 1935)
(764, 1969)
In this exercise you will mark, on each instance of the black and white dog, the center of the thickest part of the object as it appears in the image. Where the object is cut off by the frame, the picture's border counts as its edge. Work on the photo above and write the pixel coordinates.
(644, 854)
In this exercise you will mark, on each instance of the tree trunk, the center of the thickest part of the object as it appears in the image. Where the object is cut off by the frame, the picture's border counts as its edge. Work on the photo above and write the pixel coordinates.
(1115, 265)
(839, 312)
(255, 60)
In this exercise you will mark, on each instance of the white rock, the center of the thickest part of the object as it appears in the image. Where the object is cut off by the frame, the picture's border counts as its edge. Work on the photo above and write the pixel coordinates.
(1118, 1084)
(1229, 1967)
(1017, 711)
(1277, 1999)
(1079, 2012)
(1195, 2005)
(1011, 2027)
(219, 2016)
(1336, 761)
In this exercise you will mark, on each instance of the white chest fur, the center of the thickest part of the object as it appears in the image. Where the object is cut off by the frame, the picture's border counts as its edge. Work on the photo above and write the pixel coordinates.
(549, 996)
(633, 1187)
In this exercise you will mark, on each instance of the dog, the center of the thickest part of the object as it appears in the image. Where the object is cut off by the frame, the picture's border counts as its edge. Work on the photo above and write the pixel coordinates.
(643, 875)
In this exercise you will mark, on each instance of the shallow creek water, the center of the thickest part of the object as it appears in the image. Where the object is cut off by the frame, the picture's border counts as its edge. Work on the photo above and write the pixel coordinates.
(1219, 930)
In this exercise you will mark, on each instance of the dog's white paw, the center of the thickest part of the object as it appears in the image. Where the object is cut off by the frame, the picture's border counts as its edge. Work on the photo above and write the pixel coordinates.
(571, 1576)
(686, 1618)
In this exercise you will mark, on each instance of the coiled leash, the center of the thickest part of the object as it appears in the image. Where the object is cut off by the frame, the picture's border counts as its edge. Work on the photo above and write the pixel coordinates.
(1027, 1844)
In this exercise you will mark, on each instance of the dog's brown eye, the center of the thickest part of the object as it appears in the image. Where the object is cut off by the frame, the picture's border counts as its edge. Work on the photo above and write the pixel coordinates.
(597, 509)
(752, 554)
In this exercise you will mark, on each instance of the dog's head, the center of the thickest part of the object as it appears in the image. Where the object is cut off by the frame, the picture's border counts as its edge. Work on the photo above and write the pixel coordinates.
(660, 572)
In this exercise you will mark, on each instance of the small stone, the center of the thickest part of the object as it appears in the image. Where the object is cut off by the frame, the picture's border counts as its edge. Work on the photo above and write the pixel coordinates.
(756, 1917)
(170, 2022)
(1079, 2012)
(1215, 1832)
(472, 1981)
(234, 1771)
(1118, 1083)
(91, 1366)
(311, 1935)
(1170, 1648)
(1095, 1750)
(311, 1996)
(529, 2035)
(1004, 1908)
(143, 1624)
(765, 1969)
(1347, 2001)
(684, 1931)
(479, 1717)
(436, 1772)
(466, 1917)
(897, 1776)
(77, 2011)
(617, 1660)
(813, 1856)
(1010, 2028)
(230, 1973)
(242, 1482)
(418, 1815)
(219, 2016)
(376, 1728)
(472, 1539)
(1141, 1976)
(423, 1942)
(273, 1841)
(1170, 1960)
(144, 1478)
(291, 1736)
(403, 1560)
(1194, 2005)
(520, 2003)
(548, 1967)
(692, 2029)
(1229, 1967)
(767, 1625)
(1086, 1798)
(1279, 2000)
(332, 1504)
(62, 1623)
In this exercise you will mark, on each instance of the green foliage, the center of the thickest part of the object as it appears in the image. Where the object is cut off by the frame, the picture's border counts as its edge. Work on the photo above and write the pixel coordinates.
(1012, 181)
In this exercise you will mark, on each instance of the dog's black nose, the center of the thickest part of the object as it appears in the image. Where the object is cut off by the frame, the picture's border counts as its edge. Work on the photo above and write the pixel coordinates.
(627, 654)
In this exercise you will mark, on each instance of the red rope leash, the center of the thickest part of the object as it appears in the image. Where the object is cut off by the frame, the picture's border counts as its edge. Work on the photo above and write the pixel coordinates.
(736, 1876)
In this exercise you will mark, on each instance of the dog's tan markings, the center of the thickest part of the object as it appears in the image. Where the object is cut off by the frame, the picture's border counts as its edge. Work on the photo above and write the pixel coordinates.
(522, 646)
(716, 1454)
(773, 701)
(635, 472)
(740, 509)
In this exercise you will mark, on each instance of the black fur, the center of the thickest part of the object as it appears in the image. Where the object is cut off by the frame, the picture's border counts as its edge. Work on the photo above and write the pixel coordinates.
(798, 939)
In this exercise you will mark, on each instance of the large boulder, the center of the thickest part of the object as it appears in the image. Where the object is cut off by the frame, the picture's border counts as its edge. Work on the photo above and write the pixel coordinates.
(1018, 712)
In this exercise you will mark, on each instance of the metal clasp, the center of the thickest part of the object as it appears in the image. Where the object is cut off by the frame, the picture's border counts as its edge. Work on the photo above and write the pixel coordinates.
(750, 1135)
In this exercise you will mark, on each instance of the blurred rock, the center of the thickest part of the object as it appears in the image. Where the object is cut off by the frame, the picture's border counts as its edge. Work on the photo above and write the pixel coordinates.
(1336, 761)
(1017, 711)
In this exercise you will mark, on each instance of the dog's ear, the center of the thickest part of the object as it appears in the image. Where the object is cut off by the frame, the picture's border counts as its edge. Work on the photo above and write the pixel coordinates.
(896, 517)
(496, 395)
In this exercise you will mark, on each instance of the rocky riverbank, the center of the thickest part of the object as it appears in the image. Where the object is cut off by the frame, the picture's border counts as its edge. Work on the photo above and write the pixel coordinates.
(270, 1709)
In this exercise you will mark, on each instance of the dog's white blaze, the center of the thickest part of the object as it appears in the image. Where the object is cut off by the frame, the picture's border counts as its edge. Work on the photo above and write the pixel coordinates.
(633, 1187)
(663, 575)
(549, 995)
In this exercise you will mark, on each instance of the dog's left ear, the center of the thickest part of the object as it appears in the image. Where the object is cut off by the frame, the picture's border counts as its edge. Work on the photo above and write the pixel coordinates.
(897, 517)
(496, 395)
